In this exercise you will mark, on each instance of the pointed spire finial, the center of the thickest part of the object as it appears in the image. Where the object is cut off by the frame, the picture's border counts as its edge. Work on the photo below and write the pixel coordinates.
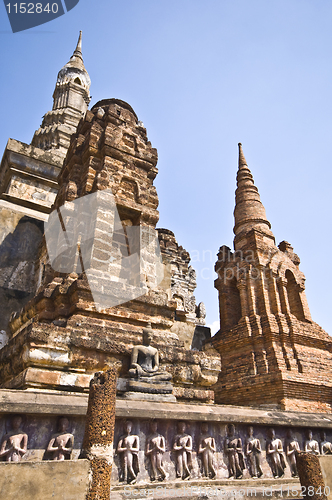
(76, 61)
(78, 50)
(249, 211)
(242, 160)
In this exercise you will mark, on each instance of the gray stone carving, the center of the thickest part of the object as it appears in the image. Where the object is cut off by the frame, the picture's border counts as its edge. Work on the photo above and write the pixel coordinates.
(234, 452)
(275, 454)
(14, 444)
(207, 449)
(292, 450)
(61, 443)
(128, 448)
(144, 369)
(190, 306)
(311, 445)
(183, 449)
(155, 448)
(145, 360)
(201, 311)
(325, 446)
(254, 454)
(3, 338)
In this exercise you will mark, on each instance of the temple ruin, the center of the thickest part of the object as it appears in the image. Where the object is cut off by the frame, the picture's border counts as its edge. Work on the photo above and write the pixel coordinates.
(95, 295)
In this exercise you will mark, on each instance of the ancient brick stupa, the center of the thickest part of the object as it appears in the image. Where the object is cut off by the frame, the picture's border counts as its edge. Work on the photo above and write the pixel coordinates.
(68, 331)
(272, 352)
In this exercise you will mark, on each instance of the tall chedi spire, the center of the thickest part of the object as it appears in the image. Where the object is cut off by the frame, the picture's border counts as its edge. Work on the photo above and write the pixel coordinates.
(249, 211)
(71, 98)
(266, 334)
(78, 50)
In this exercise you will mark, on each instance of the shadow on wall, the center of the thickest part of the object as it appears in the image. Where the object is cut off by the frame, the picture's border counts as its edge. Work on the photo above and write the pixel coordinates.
(18, 259)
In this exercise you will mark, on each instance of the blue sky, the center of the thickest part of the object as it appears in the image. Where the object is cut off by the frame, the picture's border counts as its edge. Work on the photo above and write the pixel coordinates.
(203, 76)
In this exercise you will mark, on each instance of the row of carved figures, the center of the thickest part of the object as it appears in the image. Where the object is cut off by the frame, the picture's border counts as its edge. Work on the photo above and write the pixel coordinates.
(14, 446)
(182, 446)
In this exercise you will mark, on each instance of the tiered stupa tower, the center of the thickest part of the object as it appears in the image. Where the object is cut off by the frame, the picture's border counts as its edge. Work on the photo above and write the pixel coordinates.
(71, 99)
(89, 311)
(272, 352)
(29, 184)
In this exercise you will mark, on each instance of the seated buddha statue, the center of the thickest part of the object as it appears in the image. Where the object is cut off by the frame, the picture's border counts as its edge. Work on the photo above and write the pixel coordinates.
(145, 360)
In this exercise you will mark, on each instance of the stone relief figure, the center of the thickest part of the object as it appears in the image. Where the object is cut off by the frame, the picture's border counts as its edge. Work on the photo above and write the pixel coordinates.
(190, 304)
(192, 275)
(71, 191)
(325, 446)
(201, 310)
(128, 448)
(14, 444)
(61, 443)
(145, 360)
(311, 445)
(275, 453)
(155, 447)
(292, 450)
(234, 452)
(183, 446)
(254, 454)
(207, 448)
